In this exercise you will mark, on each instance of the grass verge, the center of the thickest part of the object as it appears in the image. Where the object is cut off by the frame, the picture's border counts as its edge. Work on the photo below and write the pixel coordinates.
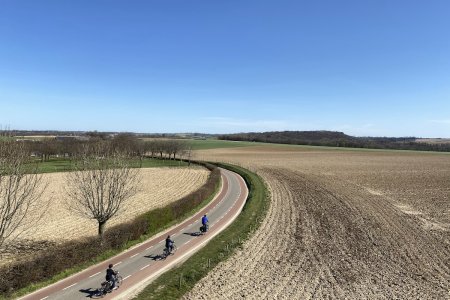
(178, 281)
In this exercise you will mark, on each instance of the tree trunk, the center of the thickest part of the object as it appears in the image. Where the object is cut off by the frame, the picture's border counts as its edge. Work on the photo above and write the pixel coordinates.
(101, 227)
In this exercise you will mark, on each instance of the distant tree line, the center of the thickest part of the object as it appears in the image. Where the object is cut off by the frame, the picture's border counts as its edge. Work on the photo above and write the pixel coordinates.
(335, 139)
(52, 133)
(126, 144)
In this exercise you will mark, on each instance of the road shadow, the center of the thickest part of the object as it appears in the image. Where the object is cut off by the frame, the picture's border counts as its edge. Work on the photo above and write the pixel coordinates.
(90, 292)
(155, 256)
(197, 233)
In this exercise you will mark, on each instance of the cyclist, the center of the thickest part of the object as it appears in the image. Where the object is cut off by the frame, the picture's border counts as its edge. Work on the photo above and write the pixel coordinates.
(111, 276)
(205, 223)
(169, 244)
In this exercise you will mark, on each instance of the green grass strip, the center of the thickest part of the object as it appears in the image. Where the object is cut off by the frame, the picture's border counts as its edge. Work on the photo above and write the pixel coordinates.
(64, 164)
(176, 282)
(215, 144)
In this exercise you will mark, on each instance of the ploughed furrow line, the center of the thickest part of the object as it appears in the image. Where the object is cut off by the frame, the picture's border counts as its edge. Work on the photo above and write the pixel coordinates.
(368, 246)
(263, 266)
(328, 238)
(159, 187)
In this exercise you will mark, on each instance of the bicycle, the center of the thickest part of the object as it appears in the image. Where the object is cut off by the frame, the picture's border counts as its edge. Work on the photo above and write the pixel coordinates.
(166, 251)
(204, 228)
(106, 286)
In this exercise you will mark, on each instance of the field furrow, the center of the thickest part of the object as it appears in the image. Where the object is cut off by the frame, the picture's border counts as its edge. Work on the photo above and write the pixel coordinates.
(159, 187)
(342, 225)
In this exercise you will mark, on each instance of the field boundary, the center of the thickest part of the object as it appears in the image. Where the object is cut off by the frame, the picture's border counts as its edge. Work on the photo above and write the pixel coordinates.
(180, 280)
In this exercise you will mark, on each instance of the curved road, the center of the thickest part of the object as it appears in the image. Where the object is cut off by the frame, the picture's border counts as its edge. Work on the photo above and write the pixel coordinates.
(141, 264)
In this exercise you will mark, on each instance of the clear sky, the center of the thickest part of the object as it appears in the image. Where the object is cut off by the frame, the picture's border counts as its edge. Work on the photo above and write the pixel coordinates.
(365, 67)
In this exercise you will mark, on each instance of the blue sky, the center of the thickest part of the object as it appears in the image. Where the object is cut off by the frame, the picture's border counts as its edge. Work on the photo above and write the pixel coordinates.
(372, 67)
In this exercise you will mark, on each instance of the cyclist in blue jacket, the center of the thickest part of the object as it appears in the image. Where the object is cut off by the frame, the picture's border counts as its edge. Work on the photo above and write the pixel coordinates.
(205, 223)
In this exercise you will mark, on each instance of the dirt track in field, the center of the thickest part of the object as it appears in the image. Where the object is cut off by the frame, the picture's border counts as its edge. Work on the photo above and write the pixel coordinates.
(341, 225)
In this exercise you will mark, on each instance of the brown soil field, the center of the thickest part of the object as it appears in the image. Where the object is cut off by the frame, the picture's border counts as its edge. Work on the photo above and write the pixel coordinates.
(159, 187)
(342, 224)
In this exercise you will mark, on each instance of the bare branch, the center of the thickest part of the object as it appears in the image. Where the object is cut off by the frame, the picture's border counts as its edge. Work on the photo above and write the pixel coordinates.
(100, 185)
(20, 189)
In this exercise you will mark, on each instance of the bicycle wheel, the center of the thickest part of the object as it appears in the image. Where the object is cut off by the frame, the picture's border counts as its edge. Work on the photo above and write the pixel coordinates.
(174, 249)
(165, 253)
(99, 293)
(119, 280)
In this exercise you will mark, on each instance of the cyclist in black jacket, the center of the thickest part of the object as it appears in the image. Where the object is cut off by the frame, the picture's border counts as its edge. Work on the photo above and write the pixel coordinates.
(111, 276)
(169, 244)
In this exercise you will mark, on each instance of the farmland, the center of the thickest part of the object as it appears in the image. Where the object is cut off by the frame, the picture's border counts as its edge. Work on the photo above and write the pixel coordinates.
(347, 224)
(159, 187)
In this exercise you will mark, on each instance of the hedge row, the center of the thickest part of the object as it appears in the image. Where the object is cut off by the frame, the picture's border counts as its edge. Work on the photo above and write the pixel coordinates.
(61, 257)
(160, 217)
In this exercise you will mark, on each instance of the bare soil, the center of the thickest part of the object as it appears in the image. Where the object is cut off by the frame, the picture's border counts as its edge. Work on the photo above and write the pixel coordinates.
(342, 225)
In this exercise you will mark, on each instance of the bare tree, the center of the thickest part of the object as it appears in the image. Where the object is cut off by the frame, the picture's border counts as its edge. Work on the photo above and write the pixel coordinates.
(153, 147)
(142, 148)
(125, 143)
(187, 153)
(174, 147)
(100, 185)
(20, 190)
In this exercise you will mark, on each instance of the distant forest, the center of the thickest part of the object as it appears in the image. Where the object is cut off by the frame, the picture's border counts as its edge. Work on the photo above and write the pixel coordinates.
(335, 139)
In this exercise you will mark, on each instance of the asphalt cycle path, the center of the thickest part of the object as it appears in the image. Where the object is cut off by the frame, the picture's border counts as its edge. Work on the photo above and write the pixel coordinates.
(143, 263)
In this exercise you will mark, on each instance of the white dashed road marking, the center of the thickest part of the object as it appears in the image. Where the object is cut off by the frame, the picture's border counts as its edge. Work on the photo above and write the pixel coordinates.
(69, 286)
(94, 274)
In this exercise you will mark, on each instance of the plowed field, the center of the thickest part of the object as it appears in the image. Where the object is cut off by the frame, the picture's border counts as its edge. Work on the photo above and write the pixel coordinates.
(159, 187)
(342, 225)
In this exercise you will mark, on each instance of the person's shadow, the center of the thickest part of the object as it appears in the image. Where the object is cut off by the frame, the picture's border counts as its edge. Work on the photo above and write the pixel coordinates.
(197, 233)
(155, 256)
(90, 292)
